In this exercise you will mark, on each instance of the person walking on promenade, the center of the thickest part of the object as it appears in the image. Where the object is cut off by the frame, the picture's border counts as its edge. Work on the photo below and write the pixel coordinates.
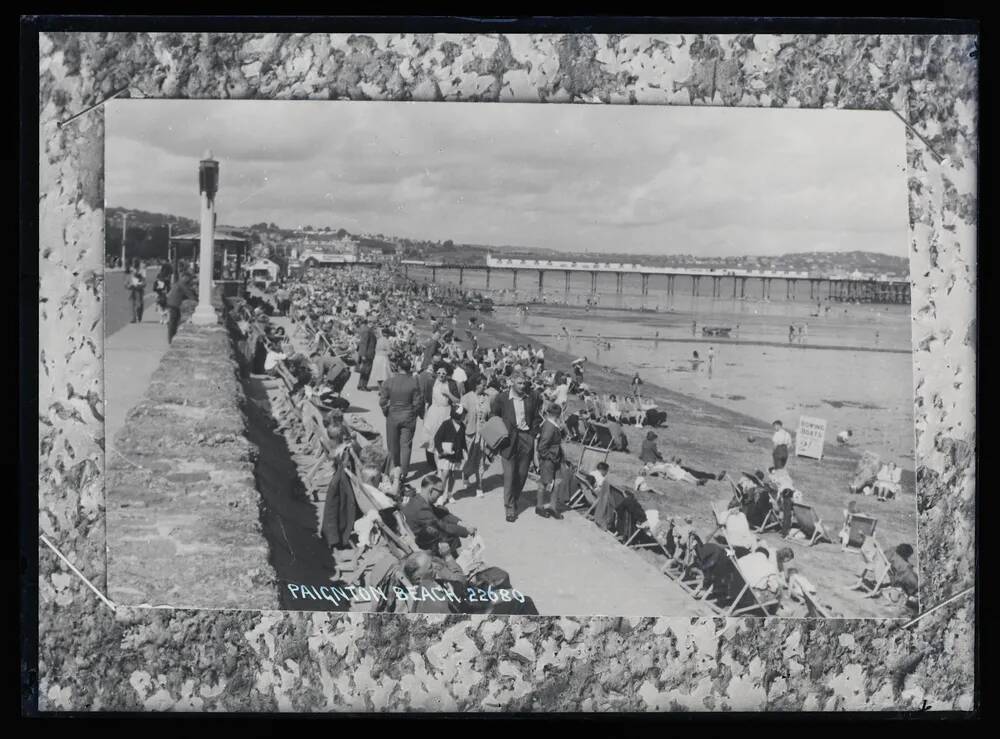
(135, 281)
(550, 463)
(782, 440)
(450, 450)
(401, 402)
(161, 285)
(477, 409)
(520, 414)
(366, 353)
(180, 292)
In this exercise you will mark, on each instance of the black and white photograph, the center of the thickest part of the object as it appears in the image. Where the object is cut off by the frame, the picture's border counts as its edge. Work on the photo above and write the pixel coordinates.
(558, 360)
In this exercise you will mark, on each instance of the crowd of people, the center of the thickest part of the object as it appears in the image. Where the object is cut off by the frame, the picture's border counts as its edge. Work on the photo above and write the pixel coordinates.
(477, 403)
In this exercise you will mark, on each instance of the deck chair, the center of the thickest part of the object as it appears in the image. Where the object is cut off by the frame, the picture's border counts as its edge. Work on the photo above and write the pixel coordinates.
(584, 497)
(814, 609)
(642, 538)
(807, 520)
(860, 528)
(877, 570)
(720, 511)
(590, 456)
(772, 521)
(749, 600)
(690, 579)
(356, 561)
(598, 435)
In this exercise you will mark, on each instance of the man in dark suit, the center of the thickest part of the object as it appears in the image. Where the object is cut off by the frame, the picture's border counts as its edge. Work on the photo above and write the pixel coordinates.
(550, 462)
(435, 529)
(401, 402)
(520, 413)
(426, 381)
(366, 353)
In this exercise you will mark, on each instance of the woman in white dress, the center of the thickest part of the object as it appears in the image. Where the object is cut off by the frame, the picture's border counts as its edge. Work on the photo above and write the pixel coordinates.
(439, 410)
(380, 364)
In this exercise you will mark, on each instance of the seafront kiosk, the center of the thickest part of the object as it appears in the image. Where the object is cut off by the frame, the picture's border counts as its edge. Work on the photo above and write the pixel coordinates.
(231, 250)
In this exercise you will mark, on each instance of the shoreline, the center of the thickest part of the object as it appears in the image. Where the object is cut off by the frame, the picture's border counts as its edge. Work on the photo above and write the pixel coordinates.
(681, 407)
(728, 341)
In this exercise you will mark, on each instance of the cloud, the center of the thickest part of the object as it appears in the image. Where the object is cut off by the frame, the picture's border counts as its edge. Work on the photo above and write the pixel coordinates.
(643, 178)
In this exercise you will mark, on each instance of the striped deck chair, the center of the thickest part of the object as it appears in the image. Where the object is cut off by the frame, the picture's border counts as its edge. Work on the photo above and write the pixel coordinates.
(807, 520)
(859, 528)
(876, 572)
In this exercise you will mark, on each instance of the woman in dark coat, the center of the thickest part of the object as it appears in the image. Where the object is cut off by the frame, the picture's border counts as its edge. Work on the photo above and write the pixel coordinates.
(649, 453)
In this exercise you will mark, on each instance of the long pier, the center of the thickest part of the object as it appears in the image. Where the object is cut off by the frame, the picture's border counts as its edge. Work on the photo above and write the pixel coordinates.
(855, 287)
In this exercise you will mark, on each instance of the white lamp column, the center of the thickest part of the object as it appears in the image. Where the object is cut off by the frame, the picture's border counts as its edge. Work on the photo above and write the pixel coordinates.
(208, 181)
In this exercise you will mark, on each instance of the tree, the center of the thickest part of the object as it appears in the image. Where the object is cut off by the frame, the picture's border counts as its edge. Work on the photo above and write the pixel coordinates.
(449, 244)
(341, 233)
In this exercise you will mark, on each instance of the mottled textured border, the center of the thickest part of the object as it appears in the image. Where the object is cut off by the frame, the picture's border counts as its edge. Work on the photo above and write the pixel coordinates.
(91, 658)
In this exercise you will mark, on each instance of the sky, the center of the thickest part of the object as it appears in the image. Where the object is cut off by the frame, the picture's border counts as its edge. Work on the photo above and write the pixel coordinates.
(626, 179)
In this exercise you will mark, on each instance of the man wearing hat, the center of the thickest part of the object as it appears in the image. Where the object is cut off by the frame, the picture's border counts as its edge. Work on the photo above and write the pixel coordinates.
(180, 292)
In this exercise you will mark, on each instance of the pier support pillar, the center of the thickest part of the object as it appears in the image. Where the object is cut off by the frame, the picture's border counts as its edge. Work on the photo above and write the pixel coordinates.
(461, 275)
(694, 285)
(645, 284)
(488, 277)
(618, 282)
(514, 273)
(541, 279)
(567, 280)
(593, 282)
(434, 274)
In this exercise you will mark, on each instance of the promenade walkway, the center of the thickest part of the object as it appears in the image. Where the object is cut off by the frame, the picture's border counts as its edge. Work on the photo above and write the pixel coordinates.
(569, 567)
(131, 355)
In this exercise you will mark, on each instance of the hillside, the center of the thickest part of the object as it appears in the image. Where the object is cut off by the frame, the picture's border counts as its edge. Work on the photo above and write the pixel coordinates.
(147, 237)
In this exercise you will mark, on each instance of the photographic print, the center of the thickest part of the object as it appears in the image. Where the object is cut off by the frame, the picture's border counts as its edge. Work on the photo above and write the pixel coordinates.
(721, 230)
(509, 359)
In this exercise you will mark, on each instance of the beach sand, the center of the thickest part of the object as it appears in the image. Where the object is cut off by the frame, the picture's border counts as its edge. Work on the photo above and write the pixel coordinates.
(710, 437)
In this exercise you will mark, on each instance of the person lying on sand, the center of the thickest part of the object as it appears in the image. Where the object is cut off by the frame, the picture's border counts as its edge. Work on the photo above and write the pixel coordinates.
(676, 471)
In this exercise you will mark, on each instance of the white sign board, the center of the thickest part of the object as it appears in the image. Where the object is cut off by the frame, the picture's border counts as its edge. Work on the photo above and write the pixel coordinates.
(809, 438)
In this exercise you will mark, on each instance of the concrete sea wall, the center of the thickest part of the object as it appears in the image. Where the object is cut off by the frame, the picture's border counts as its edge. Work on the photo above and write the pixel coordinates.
(183, 511)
